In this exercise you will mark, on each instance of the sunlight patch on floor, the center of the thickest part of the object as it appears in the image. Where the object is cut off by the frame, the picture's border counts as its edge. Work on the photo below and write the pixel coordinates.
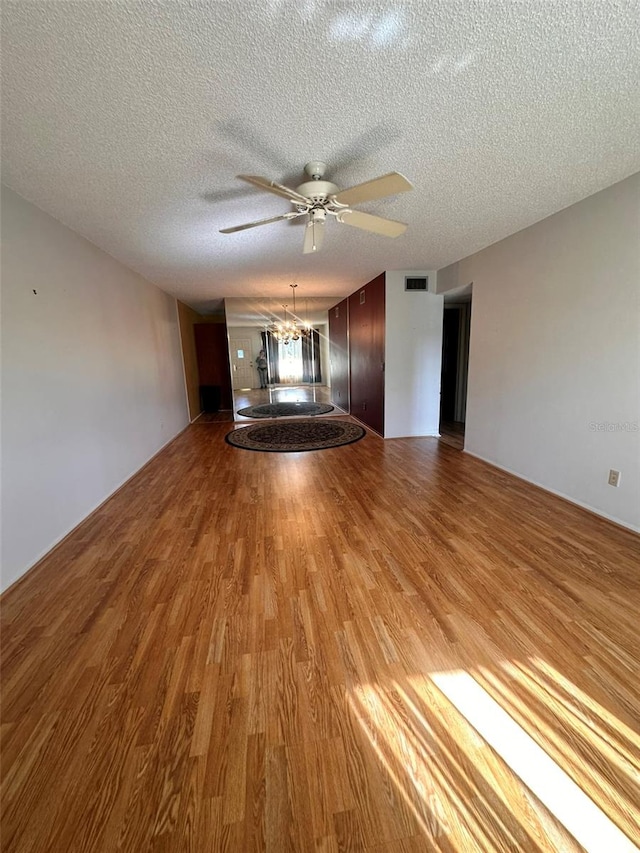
(396, 745)
(581, 714)
(553, 787)
(585, 700)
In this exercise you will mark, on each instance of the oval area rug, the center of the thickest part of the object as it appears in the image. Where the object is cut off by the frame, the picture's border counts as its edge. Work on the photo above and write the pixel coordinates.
(296, 436)
(281, 410)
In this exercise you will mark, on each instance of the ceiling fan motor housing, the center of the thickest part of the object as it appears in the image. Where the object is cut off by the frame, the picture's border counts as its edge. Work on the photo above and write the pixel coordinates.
(317, 191)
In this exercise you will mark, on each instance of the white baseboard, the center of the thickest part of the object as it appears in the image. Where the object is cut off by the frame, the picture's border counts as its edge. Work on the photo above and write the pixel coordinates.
(558, 494)
(96, 507)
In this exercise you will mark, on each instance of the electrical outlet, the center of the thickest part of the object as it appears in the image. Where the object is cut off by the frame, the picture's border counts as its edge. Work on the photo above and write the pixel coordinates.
(614, 478)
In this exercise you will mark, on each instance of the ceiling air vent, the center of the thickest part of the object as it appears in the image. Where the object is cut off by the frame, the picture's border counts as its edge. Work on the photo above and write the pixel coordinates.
(416, 283)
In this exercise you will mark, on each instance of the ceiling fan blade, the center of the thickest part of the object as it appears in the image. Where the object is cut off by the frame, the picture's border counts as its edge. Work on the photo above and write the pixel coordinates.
(390, 184)
(368, 222)
(273, 187)
(261, 222)
(313, 236)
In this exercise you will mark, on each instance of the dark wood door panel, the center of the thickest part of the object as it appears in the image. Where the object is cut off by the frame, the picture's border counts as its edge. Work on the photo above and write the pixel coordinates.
(212, 349)
(366, 350)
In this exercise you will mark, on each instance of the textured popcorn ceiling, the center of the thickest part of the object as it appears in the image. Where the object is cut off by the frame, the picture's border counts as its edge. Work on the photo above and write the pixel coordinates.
(128, 122)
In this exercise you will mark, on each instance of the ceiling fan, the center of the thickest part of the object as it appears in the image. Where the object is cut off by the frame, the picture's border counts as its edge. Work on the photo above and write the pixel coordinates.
(316, 199)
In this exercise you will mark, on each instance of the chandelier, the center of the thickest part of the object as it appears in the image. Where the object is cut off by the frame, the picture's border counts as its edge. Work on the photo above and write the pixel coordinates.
(288, 330)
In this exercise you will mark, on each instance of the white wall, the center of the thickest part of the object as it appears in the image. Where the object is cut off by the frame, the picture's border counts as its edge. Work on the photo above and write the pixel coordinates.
(413, 357)
(92, 381)
(554, 365)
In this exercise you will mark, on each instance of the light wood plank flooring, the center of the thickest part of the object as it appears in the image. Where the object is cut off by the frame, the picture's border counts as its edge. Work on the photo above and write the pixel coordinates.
(452, 433)
(282, 394)
(273, 394)
(289, 652)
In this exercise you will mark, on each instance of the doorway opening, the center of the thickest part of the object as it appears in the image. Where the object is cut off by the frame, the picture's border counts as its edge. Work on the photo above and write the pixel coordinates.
(456, 329)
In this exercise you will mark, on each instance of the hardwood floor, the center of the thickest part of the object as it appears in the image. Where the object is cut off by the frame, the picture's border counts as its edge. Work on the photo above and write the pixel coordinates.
(312, 652)
(282, 394)
(452, 433)
(273, 394)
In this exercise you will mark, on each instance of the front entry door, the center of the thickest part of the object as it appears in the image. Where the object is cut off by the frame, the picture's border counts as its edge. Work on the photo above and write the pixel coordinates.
(243, 370)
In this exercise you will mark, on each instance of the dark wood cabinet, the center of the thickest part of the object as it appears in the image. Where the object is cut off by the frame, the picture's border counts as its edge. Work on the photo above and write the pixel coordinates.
(395, 352)
(366, 353)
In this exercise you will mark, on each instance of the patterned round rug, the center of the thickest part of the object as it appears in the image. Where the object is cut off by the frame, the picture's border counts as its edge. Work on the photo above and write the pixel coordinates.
(295, 436)
(282, 410)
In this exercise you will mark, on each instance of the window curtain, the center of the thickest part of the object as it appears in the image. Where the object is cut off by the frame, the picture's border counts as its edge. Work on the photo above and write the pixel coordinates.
(290, 362)
(270, 345)
(311, 369)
